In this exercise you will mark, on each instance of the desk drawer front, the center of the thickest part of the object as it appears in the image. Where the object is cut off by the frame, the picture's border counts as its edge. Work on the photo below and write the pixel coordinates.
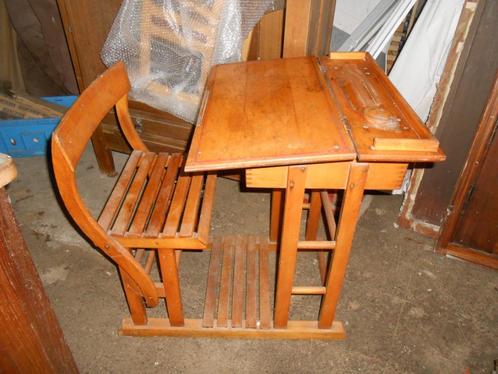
(381, 176)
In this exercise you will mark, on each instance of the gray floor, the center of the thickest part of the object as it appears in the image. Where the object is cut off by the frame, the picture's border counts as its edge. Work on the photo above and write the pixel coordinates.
(405, 308)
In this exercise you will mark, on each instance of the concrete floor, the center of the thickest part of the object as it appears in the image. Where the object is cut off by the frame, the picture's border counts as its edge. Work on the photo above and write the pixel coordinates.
(405, 309)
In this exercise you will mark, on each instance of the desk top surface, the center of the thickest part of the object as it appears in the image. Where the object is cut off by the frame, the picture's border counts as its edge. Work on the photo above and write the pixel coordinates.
(305, 110)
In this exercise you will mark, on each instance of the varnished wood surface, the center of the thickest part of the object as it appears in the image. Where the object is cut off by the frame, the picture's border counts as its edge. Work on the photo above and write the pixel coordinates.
(266, 113)
(31, 340)
(298, 110)
(193, 328)
(383, 125)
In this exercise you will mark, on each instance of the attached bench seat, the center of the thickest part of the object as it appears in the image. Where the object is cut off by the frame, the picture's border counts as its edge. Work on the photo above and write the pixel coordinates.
(155, 205)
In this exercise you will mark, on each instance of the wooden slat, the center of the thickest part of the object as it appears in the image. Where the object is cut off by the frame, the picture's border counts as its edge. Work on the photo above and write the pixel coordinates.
(264, 289)
(150, 261)
(171, 281)
(128, 208)
(389, 144)
(192, 206)
(163, 199)
(239, 281)
(251, 280)
(315, 245)
(150, 194)
(207, 207)
(300, 290)
(176, 207)
(329, 213)
(226, 275)
(314, 214)
(276, 212)
(114, 202)
(139, 254)
(297, 16)
(212, 284)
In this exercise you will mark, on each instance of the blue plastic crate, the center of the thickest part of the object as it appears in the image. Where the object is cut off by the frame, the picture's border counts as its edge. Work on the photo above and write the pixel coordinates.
(29, 137)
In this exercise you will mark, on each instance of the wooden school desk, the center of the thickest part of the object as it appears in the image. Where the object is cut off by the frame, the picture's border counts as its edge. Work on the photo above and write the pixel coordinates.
(296, 125)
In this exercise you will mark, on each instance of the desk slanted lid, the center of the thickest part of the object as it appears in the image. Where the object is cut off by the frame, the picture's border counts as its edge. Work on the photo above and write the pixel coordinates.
(382, 124)
(266, 113)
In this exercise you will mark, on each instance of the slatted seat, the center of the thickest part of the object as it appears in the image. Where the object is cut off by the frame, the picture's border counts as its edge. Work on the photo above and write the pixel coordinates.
(154, 207)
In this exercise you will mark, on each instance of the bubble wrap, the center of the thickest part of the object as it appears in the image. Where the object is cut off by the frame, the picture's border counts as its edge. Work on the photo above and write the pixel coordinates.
(169, 46)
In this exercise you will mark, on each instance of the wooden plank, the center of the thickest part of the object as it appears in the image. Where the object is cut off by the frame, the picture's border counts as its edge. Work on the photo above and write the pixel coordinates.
(473, 255)
(133, 195)
(381, 176)
(385, 176)
(31, 338)
(280, 99)
(158, 215)
(193, 328)
(239, 281)
(264, 289)
(189, 219)
(212, 286)
(160, 242)
(206, 210)
(171, 282)
(297, 18)
(472, 218)
(389, 144)
(294, 196)
(225, 285)
(251, 282)
(437, 199)
(115, 199)
(270, 35)
(176, 207)
(347, 225)
(150, 194)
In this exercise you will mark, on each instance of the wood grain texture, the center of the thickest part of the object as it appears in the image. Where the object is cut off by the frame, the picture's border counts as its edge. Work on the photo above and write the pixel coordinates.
(294, 196)
(472, 222)
(265, 113)
(193, 328)
(32, 340)
(467, 97)
(345, 232)
(360, 88)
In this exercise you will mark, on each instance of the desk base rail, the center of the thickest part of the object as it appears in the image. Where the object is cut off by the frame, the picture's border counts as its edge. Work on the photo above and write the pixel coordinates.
(238, 299)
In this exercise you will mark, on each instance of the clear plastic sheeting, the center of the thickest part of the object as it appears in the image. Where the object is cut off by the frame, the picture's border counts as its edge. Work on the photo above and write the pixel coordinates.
(169, 46)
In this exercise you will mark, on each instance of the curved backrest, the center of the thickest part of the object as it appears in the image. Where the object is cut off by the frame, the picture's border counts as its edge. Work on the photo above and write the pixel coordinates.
(68, 143)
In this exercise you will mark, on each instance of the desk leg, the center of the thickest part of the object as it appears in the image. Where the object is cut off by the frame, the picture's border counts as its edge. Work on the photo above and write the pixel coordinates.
(345, 233)
(276, 214)
(294, 195)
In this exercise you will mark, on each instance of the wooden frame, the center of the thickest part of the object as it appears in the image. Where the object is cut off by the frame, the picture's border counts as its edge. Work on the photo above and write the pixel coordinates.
(473, 167)
(153, 207)
(260, 124)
